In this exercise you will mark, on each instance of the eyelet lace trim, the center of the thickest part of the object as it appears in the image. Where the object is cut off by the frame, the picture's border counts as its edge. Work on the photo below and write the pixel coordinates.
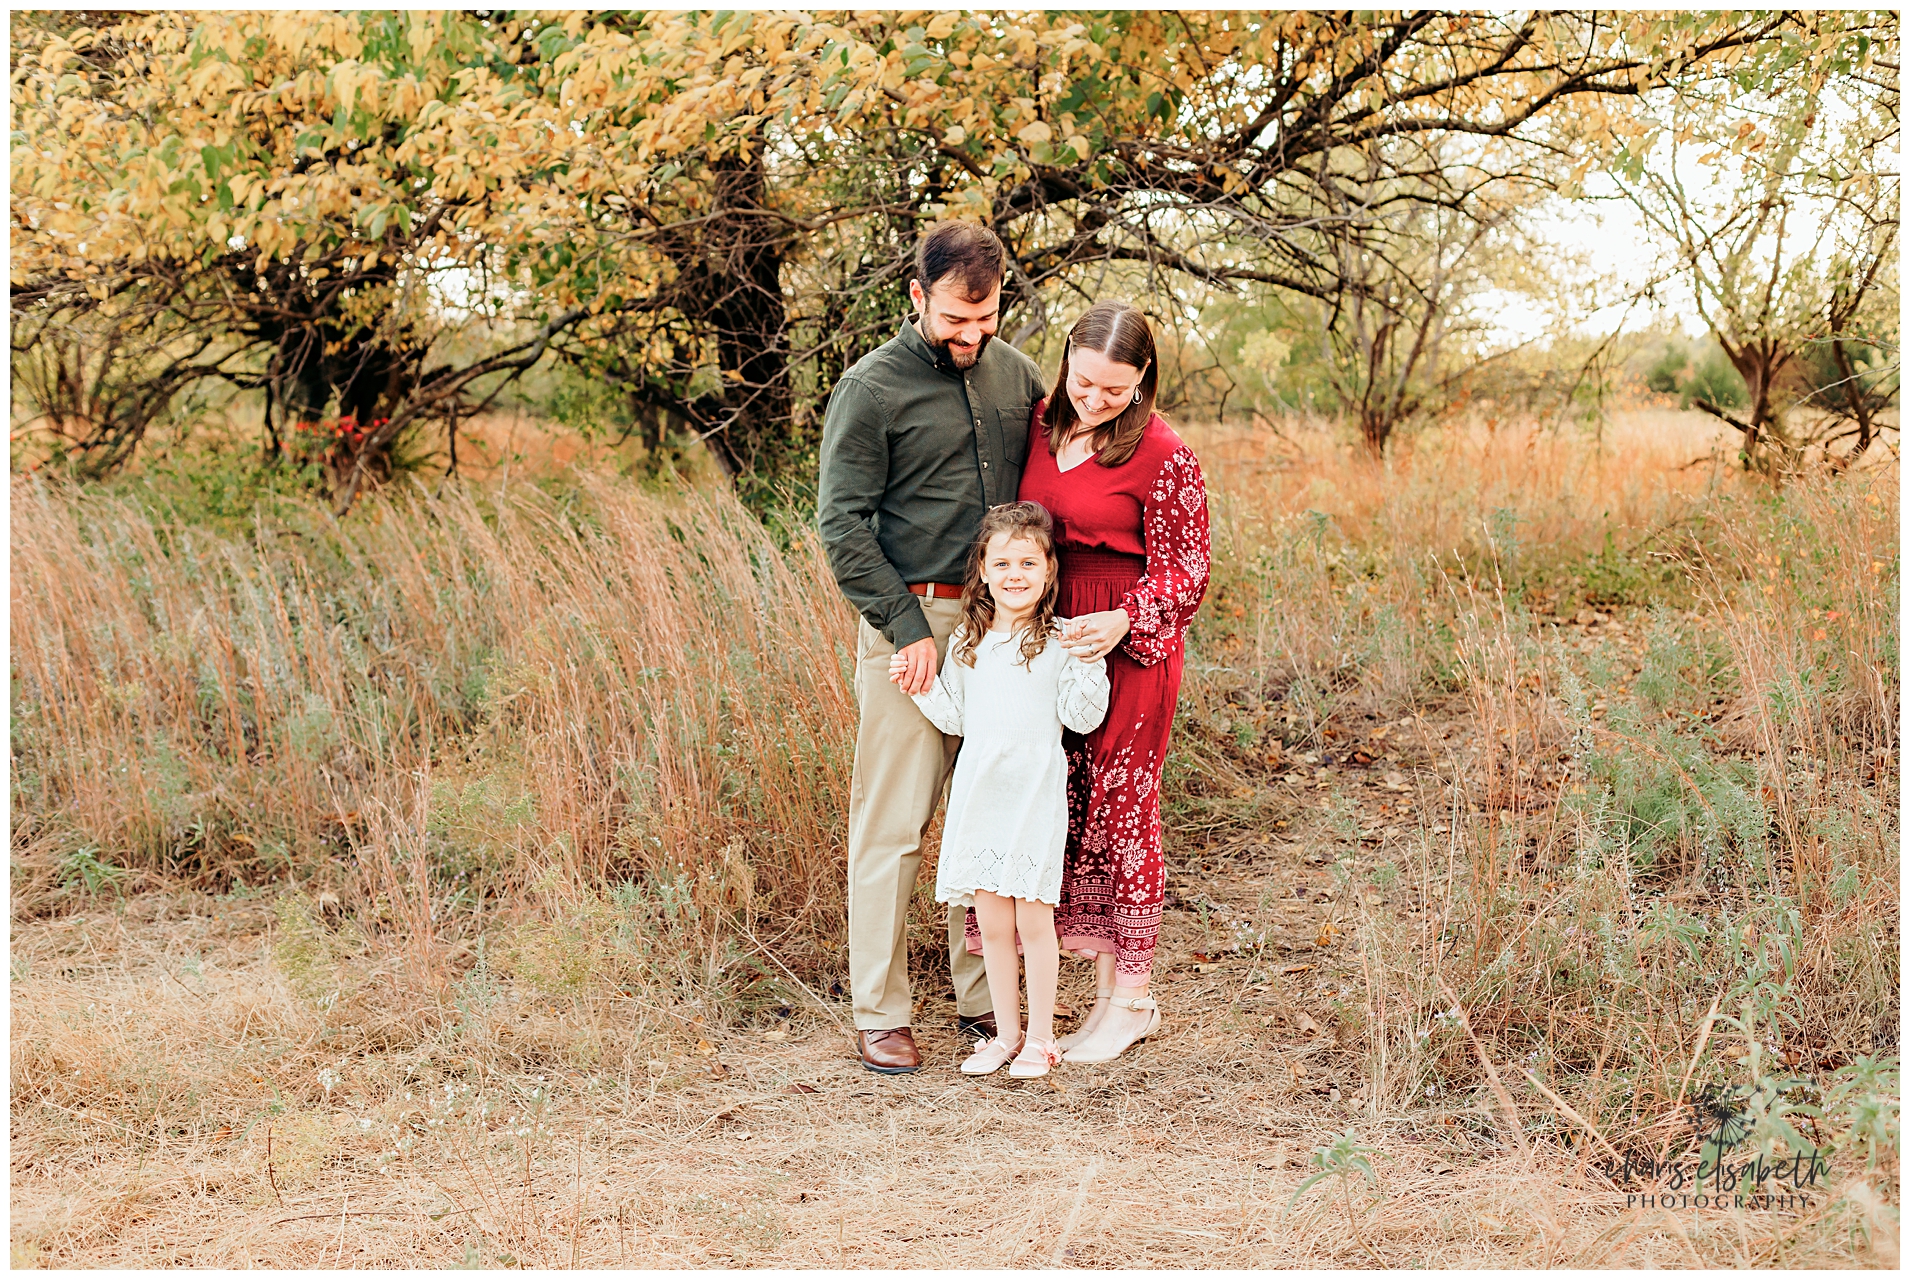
(1012, 874)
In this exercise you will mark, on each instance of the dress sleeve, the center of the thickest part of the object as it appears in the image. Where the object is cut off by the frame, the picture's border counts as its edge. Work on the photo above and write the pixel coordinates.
(1082, 699)
(942, 704)
(1174, 526)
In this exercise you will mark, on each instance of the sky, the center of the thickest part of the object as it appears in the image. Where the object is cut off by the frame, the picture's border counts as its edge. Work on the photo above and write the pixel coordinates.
(1607, 232)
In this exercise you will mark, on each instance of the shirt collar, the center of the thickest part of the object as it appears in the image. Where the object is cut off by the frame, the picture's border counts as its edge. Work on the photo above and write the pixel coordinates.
(938, 359)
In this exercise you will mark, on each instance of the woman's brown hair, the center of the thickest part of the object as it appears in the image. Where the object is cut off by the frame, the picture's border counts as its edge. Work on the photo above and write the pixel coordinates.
(1120, 332)
(1028, 520)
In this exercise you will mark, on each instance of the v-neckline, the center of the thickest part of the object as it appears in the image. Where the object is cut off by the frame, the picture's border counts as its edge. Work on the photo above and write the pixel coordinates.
(1071, 466)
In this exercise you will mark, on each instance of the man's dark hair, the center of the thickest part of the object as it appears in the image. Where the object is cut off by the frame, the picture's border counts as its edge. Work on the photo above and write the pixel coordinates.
(972, 254)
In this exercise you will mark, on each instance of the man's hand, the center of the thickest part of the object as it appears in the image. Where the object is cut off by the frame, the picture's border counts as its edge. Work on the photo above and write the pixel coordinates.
(1094, 635)
(913, 666)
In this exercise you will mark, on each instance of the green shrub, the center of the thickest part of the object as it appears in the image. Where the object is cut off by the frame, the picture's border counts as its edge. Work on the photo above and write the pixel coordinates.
(1715, 382)
(1665, 375)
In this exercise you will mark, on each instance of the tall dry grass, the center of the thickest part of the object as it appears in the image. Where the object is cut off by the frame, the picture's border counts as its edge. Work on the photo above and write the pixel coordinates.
(1662, 850)
(447, 705)
(529, 761)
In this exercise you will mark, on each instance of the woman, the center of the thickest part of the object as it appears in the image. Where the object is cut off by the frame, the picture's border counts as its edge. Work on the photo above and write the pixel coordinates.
(1130, 513)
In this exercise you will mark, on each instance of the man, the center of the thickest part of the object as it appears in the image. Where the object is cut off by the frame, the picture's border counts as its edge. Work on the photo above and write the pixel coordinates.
(923, 435)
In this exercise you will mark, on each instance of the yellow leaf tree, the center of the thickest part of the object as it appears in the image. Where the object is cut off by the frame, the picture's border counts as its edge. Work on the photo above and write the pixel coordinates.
(390, 215)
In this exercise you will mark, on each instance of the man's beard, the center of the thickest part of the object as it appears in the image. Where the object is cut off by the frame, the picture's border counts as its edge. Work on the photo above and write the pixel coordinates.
(963, 361)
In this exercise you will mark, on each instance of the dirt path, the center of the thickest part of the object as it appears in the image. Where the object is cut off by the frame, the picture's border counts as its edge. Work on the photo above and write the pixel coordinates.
(1185, 1154)
(176, 1103)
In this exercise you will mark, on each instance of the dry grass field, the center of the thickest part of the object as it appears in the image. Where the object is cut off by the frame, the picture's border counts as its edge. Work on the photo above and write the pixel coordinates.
(461, 885)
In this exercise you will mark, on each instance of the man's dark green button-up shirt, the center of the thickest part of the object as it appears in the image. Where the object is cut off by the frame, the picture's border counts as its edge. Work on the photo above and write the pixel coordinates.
(914, 451)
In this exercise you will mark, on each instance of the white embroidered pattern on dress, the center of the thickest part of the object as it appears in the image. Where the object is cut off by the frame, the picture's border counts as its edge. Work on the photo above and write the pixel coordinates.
(1116, 878)
(1179, 548)
(1012, 874)
(1083, 703)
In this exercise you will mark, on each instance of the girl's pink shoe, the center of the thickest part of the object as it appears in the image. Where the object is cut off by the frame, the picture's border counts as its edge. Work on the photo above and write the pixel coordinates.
(1035, 1058)
(991, 1057)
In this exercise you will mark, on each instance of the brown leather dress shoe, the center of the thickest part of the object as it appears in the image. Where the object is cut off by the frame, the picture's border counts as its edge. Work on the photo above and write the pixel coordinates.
(892, 1053)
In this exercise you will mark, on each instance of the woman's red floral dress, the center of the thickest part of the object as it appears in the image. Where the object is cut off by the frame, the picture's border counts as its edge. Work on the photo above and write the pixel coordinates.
(1131, 537)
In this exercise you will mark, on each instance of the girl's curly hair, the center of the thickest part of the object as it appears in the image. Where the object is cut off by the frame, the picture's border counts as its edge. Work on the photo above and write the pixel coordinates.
(1028, 520)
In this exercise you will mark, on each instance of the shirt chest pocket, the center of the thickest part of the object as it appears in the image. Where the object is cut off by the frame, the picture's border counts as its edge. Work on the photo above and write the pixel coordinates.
(1014, 433)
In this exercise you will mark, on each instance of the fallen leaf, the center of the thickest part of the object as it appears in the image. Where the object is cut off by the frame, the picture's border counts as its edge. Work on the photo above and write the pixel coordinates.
(718, 1071)
(775, 1035)
(1205, 968)
(704, 1049)
(1306, 1025)
(1295, 968)
(1327, 933)
(800, 1089)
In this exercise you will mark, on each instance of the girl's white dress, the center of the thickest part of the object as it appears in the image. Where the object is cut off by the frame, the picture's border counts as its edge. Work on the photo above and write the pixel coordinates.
(1007, 825)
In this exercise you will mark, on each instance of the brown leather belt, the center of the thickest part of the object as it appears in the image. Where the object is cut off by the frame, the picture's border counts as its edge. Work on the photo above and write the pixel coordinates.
(936, 590)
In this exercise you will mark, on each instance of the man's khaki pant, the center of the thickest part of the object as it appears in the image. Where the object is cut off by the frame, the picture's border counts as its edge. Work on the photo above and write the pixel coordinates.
(902, 762)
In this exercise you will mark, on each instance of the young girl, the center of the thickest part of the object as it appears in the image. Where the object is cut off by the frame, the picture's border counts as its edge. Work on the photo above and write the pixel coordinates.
(1007, 688)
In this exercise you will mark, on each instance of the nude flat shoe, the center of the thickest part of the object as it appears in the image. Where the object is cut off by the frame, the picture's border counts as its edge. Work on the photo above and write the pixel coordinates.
(1138, 1004)
(1074, 1038)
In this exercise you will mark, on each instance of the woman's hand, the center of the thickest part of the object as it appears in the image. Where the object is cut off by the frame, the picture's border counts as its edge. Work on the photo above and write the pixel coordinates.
(1094, 635)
